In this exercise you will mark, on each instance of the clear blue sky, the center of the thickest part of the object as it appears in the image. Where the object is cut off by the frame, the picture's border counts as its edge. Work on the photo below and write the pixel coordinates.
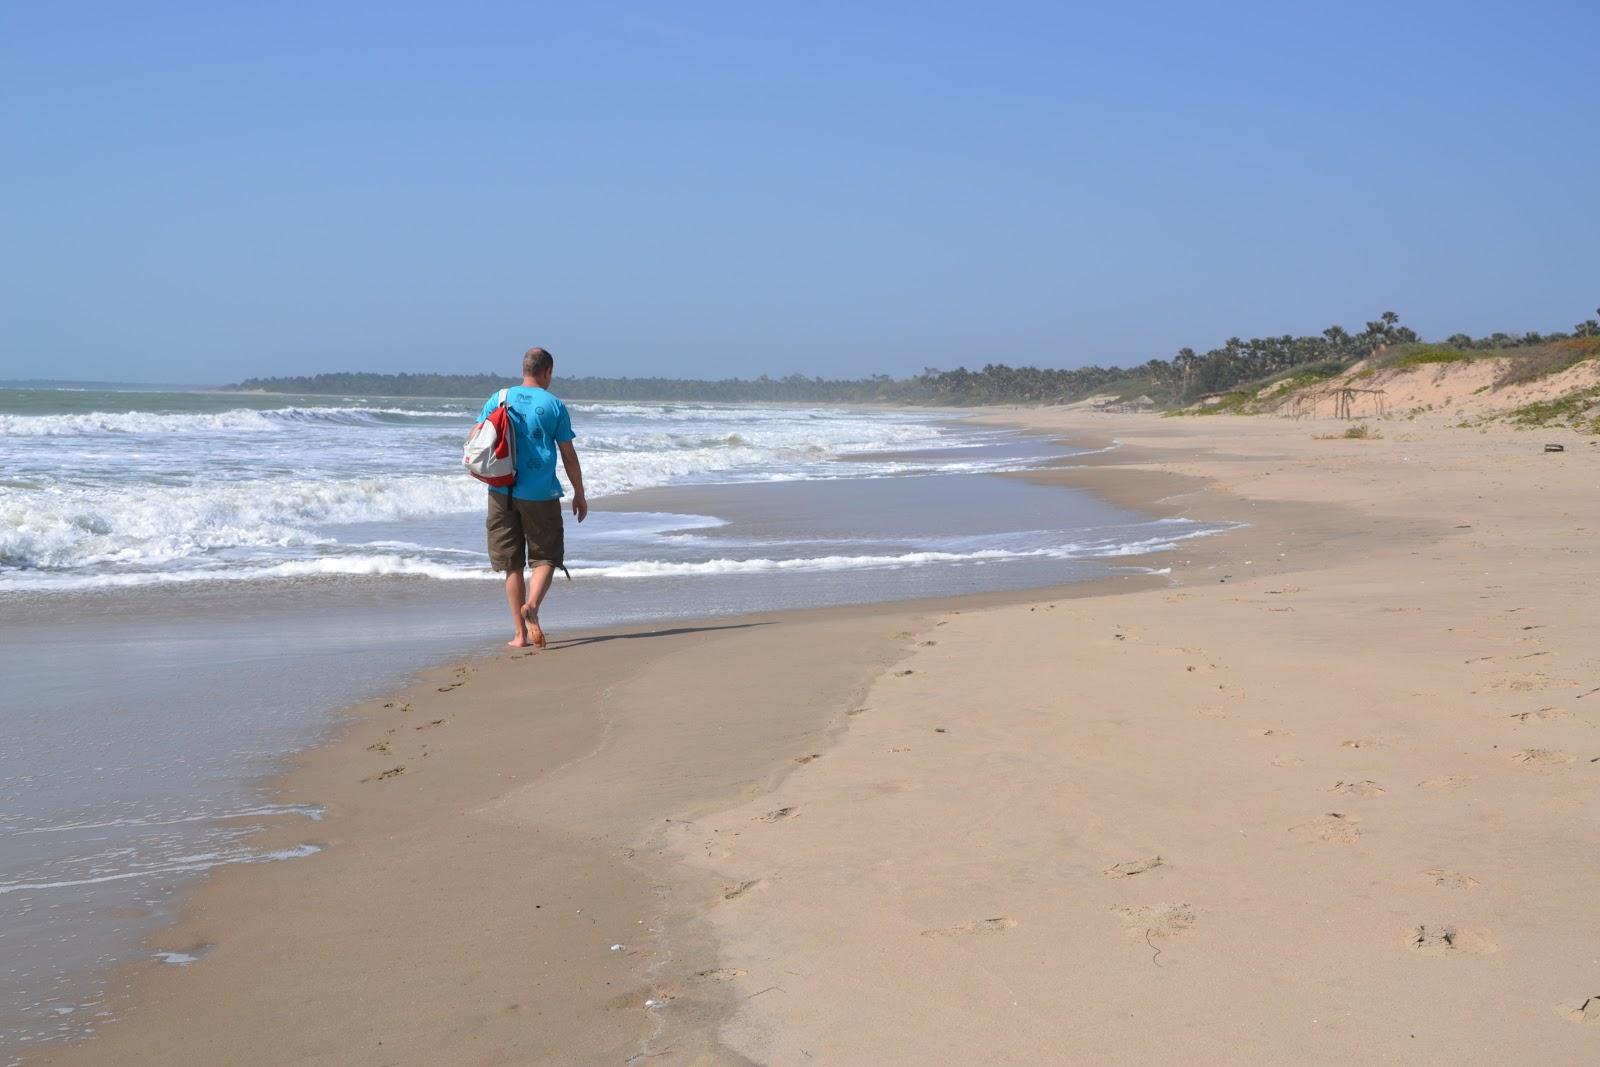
(198, 192)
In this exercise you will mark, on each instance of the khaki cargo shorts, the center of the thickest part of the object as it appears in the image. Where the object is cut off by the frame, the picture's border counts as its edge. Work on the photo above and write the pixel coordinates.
(525, 533)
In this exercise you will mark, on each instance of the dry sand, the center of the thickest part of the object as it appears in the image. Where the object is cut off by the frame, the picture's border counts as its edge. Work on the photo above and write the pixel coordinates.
(1330, 795)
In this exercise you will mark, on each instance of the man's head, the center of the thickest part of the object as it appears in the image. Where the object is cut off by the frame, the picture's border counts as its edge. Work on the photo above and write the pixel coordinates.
(537, 366)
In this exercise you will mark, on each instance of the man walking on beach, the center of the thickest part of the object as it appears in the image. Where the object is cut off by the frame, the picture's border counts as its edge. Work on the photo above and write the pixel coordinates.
(524, 521)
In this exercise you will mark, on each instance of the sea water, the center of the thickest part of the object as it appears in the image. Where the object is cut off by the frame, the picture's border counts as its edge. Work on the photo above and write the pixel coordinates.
(190, 583)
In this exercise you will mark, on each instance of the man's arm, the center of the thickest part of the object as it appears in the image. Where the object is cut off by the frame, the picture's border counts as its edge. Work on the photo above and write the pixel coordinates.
(569, 460)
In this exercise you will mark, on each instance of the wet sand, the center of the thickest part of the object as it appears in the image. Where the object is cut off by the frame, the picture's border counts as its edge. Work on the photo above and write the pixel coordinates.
(1327, 793)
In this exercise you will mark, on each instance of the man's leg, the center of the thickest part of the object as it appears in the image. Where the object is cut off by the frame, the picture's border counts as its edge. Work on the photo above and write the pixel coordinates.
(546, 548)
(514, 597)
(504, 527)
(538, 586)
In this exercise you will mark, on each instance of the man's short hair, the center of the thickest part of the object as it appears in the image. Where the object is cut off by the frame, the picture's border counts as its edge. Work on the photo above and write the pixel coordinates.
(535, 361)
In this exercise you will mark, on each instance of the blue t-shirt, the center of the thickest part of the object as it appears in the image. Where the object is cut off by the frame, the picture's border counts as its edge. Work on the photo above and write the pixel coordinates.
(541, 421)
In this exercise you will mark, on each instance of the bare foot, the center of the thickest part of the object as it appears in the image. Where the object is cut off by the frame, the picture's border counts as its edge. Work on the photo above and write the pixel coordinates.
(530, 619)
(519, 641)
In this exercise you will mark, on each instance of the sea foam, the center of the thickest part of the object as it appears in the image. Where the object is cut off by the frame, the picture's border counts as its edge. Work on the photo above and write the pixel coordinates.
(109, 499)
(235, 420)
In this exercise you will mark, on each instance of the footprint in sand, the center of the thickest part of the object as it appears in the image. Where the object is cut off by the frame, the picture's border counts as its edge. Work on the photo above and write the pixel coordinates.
(812, 756)
(1165, 921)
(1337, 827)
(1541, 757)
(392, 772)
(1367, 788)
(1444, 781)
(1542, 715)
(1585, 1011)
(734, 892)
(1287, 761)
(1360, 742)
(976, 926)
(1442, 940)
(452, 685)
(777, 814)
(1133, 867)
(1527, 683)
(717, 974)
(1450, 879)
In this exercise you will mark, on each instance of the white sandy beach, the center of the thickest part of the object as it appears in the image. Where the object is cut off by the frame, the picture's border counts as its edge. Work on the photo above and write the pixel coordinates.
(1325, 794)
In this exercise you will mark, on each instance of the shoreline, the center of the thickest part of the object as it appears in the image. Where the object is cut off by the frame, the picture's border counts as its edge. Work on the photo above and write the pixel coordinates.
(717, 914)
(164, 651)
(619, 887)
(144, 987)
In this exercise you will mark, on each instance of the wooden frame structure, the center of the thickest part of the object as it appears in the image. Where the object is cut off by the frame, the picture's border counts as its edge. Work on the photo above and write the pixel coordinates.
(1345, 398)
(1344, 401)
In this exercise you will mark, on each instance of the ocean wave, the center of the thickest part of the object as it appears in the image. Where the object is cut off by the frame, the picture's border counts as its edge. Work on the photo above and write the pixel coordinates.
(203, 861)
(781, 436)
(314, 812)
(148, 510)
(389, 566)
(70, 526)
(235, 420)
(60, 526)
(392, 565)
(79, 526)
(1100, 549)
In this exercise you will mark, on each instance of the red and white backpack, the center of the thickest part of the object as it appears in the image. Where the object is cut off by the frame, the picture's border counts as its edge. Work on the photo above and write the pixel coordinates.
(491, 452)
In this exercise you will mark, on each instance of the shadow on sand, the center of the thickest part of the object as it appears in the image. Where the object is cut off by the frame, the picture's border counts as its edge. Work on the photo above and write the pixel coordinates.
(575, 642)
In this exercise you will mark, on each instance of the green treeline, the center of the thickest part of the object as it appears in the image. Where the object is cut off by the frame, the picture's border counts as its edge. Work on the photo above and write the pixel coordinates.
(1185, 377)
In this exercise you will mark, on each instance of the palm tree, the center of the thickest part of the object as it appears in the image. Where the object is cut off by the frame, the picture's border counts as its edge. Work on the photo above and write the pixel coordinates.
(1185, 360)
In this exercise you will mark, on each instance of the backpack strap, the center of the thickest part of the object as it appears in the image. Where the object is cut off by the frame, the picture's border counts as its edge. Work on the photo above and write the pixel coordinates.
(511, 436)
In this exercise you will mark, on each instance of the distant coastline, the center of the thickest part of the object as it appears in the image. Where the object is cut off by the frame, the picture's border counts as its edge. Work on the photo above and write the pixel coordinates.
(125, 387)
(1158, 383)
(1235, 375)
